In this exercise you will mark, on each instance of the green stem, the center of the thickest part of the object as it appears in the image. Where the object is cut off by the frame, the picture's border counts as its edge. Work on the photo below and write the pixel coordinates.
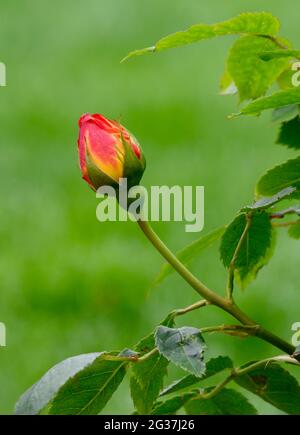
(212, 393)
(197, 285)
(147, 355)
(182, 311)
(208, 294)
(248, 329)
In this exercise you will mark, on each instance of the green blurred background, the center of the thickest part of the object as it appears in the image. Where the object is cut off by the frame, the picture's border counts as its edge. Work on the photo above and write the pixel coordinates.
(70, 285)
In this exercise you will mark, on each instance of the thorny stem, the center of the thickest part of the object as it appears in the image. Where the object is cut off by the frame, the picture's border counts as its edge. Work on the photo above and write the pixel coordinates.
(209, 295)
(230, 284)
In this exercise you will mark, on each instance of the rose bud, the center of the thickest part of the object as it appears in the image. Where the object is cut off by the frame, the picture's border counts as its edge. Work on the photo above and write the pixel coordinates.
(108, 152)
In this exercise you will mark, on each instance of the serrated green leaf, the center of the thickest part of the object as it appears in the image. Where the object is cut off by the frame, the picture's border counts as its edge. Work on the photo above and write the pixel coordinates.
(183, 346)
(279, 54)
(213, 366)
(278, 99)
(89, 390)
(256, 249)
(261, 23)
(275, 385)
(191, 251)
(294, 230)
(251, 75)
(226, 402)
(289, 134)
(286, 113)
(266, 203)
(43, 391)
(171, 406)
(147, 377)
(280, 177)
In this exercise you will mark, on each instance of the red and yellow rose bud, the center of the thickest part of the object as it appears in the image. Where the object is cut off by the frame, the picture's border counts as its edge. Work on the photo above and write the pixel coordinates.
(108, 152)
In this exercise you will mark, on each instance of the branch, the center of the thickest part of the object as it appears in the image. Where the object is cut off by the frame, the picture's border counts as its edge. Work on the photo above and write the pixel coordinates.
(282, 213)
(196, 306)
(209, 295)
(244, 330)
(236, 372)
(285, 224)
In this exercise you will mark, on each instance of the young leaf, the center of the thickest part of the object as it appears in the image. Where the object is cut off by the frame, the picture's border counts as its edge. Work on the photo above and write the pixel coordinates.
(285, 113)
(226, 402)
(90, 389)
(266, 203)
(280, 177)
(251, 75)
(147, 376)
(43, 391)
(171, 406)
(294, 230)
(183, 346)
(279, 54)
(289, 134)
(191, 251)
(255, 250)
(278, 99)
(261, 23)
(275, 385)
(213, 366)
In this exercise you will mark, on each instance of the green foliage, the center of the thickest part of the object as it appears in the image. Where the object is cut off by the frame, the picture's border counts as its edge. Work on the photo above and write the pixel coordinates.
(253, 23)
(226, 402)
(278, 99)
(183, 346)
(213, 366)
(90, 389)
(289, 134)
(84, 384)
(275, 385)
(147, 377)
(43, 391)
(251, 75)
(254, 251)
(280, 177)
(79, 385)
(191, 251)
